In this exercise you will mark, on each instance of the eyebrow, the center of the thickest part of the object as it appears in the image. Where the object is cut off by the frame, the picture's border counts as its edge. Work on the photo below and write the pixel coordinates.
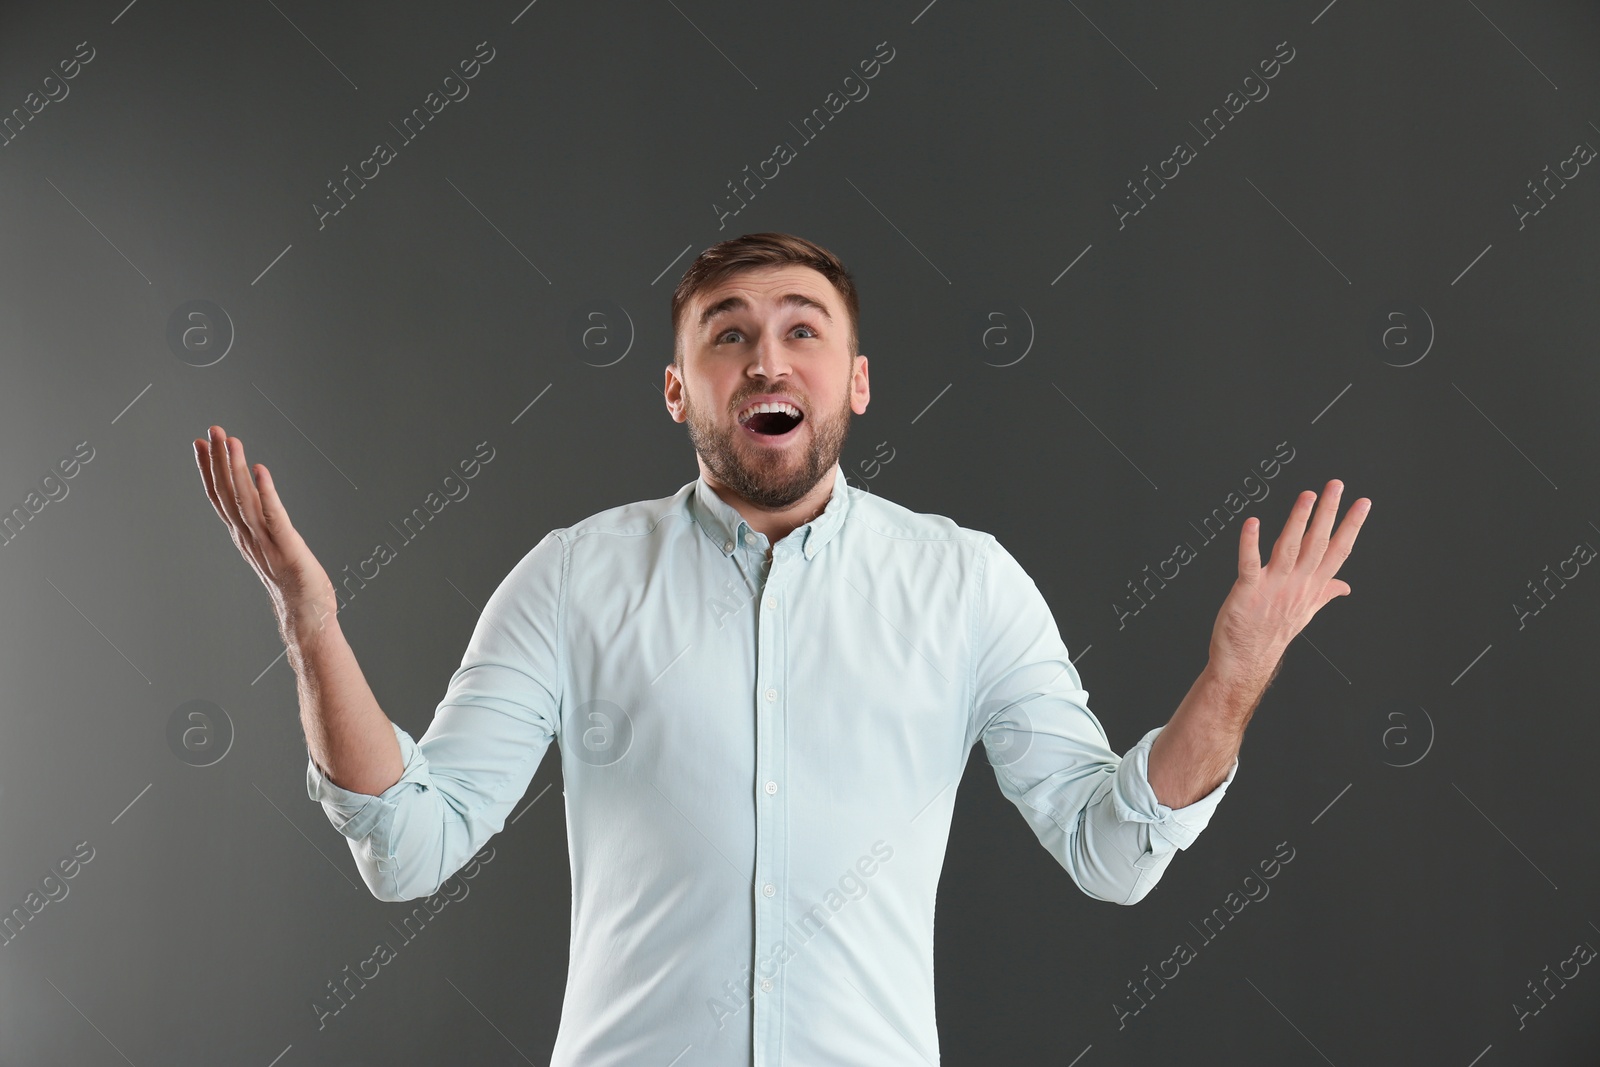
(738, 303)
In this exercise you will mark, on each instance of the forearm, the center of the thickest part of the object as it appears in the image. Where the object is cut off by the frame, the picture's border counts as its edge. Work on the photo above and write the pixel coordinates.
(348, 735)
(1192, 755)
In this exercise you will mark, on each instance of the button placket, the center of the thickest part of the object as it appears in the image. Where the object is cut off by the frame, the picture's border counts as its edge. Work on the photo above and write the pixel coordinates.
(771, 844)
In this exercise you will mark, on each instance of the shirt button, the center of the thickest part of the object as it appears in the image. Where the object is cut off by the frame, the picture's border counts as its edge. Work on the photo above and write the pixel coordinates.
(772, 602)
(772, 694)
(727, 546)
(769, 889)
(766, 985)
(772, 787)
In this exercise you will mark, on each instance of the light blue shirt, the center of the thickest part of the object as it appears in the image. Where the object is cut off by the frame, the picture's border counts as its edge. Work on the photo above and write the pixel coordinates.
(760, 762)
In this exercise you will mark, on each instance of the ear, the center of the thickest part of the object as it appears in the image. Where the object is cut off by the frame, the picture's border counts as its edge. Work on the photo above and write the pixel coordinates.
(860, 388)
(673, 394)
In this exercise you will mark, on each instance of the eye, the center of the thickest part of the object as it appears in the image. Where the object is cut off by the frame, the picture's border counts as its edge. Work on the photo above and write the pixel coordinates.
(723, 336)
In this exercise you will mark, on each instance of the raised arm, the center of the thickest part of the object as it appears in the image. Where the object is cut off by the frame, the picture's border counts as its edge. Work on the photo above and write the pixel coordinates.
(347, 734)
(414, 812)
(1263, 612)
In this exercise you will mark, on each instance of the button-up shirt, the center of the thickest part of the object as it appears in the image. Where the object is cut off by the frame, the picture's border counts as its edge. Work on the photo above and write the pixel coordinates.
(760, 759)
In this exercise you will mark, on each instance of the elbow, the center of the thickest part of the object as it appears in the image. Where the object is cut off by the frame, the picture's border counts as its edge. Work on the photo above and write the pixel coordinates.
(1123, 881)
(392, 891)
(381, 882)
(397, 887)
(1124, 890)
(1115, 861)
(1141, 888)
(390, 881)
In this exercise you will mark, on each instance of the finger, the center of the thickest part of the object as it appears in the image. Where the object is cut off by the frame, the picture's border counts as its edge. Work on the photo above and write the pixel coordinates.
(1312, 551)
(1333, 591)
(1250, 550)
(222, 478)
(275, 523)
(244, 487)
(219, 493)
(202, 459)
(274, 517)
(1344, 539)
(1286, 549)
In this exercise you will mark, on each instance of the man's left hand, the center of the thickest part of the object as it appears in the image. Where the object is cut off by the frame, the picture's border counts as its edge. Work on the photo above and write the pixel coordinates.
(1269, 605)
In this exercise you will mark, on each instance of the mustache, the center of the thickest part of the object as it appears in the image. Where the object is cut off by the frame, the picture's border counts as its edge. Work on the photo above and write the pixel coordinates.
(739, 402)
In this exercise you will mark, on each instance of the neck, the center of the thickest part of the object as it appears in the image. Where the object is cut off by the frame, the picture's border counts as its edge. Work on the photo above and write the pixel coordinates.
(777, 525)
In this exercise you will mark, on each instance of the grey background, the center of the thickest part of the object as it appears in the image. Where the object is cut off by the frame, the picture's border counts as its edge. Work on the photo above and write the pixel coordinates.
(1240, 309)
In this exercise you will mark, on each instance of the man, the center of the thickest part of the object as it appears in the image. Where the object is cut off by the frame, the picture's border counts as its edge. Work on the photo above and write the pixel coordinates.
(765, 688)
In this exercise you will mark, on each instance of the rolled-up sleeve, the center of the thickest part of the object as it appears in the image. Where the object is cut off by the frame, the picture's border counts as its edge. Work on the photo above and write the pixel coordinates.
(368, 821)
(500, 711)
(1093, 810)
(1135, 800)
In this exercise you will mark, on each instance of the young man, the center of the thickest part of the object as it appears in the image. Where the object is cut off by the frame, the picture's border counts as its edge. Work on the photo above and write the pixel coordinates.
(765, 688)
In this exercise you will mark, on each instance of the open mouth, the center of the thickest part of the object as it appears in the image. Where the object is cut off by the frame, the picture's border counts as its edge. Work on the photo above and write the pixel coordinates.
(772, 420)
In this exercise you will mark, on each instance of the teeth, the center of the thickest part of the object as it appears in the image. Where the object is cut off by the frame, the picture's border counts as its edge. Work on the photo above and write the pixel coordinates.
(787, 409)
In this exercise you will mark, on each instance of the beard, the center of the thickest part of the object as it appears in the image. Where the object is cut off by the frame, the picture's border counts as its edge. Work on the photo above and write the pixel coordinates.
(771, 479)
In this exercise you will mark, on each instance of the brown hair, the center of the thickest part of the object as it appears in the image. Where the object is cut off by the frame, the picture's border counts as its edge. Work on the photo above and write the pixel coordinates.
(755, 250)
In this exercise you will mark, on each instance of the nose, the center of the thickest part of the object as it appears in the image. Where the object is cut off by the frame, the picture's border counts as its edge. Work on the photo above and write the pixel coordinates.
(770, 360)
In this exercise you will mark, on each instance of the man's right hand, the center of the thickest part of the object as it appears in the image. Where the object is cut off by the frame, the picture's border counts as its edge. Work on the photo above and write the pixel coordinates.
(302, 596)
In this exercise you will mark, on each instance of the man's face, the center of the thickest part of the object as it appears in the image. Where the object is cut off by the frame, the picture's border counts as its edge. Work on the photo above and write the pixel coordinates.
(779, 335)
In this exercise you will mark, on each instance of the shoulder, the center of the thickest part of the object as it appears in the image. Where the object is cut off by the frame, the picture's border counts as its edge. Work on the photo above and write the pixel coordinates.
(982, 562)
(636, 519)
(551, 558)
(884, 518)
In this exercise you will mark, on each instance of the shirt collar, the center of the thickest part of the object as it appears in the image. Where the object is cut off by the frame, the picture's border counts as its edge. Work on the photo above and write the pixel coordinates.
(728, 529)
